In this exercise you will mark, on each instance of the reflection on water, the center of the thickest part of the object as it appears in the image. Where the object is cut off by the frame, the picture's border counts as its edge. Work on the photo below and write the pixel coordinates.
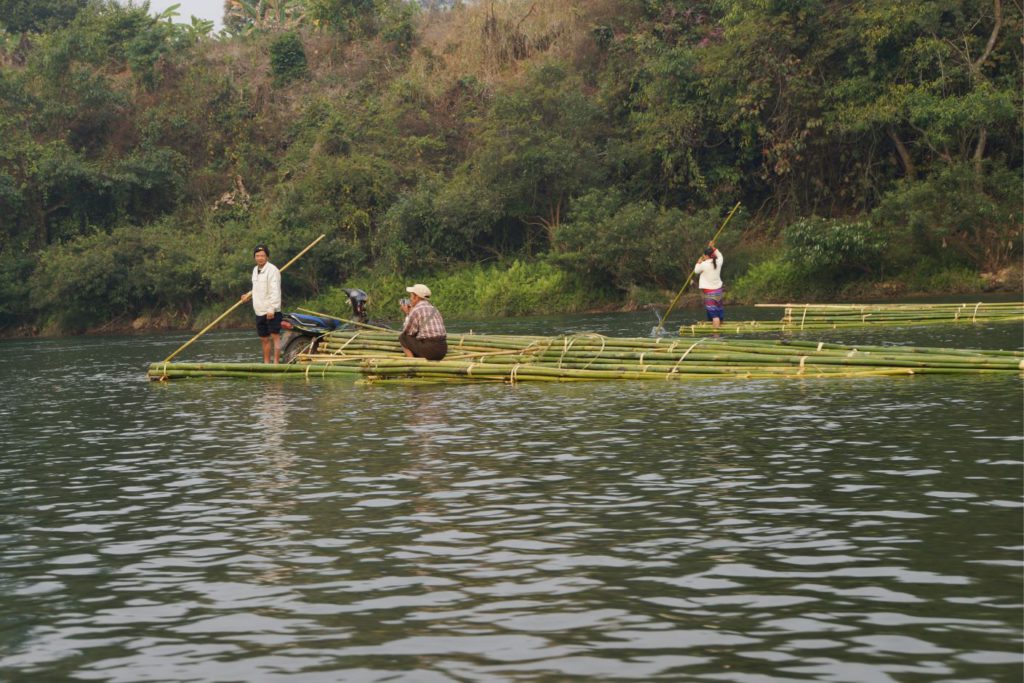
(853, 530)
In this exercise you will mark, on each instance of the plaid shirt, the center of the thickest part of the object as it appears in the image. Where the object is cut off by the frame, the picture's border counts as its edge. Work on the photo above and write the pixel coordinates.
(424, 322)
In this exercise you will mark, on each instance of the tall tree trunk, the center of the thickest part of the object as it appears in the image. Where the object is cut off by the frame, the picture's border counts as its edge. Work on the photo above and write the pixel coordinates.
(909, 170)
(979, 150)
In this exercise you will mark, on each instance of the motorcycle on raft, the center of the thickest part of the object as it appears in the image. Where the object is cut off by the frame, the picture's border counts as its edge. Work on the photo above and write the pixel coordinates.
(301, 333)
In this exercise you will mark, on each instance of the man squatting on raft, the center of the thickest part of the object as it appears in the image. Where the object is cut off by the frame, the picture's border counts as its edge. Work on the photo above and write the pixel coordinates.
(266, 302)
(709, 267)
(423, 334)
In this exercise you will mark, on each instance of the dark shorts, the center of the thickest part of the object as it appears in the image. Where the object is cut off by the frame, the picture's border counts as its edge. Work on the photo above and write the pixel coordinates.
(266, 327)
(431, 349)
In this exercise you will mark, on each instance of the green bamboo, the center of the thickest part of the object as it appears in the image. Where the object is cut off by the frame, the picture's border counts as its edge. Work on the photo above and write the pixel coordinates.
(375, 356)
(815, 317)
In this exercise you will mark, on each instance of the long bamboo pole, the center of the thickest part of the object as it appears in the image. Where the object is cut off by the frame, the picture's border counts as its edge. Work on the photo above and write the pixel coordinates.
(660, 329)
(649, 351)
(237, 304)
(367, 326)
(806, 317)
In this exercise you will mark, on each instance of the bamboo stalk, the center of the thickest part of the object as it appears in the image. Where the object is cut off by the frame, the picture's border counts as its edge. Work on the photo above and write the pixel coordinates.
(375, 356)
(344, 320)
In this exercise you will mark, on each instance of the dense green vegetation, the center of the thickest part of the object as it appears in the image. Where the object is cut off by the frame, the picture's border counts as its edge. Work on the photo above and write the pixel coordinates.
(521, 155)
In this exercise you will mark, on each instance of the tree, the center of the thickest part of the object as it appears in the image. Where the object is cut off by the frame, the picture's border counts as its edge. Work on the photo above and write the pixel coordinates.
(941, 79)
(630, 243)
(287, 58)
(671, 137)
(18, 16)
(538, 147)
(344, 16)
(245, 16)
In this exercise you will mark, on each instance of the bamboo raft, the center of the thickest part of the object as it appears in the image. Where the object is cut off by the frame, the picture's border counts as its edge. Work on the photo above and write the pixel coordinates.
(813, 317)
(376, 357)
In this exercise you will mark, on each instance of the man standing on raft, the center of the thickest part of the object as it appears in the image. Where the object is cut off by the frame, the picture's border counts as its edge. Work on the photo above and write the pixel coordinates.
(709, 267)
(266, 302)
(423, 334)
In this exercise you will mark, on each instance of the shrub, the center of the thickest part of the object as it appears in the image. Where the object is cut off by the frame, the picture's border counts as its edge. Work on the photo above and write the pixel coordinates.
(287, 58)
(446, 222)
(957, 217)
(14, 273)
(929, 275)
(517, 288)
(102, 276)
(776, 279)
(632, 243)
(833, 249)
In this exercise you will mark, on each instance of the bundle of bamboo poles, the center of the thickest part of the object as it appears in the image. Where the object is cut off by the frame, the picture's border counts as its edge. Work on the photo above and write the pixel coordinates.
(377, 357)
(810, 317)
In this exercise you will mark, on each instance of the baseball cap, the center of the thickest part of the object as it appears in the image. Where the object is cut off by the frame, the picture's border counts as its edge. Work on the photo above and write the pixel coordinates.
(422, 291)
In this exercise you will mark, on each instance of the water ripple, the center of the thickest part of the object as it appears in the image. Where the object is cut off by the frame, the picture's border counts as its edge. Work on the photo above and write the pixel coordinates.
(743, 531)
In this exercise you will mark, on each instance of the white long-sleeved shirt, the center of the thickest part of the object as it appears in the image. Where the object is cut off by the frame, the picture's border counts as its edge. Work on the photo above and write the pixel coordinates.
(710, 275)
(266, 289)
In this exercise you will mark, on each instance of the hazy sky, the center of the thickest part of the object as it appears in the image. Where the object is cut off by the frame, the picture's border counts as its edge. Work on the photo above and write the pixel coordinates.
(204, 9)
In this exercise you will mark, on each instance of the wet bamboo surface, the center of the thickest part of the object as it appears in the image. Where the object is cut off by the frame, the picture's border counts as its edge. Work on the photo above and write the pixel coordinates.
(373, 356)
(811, 317)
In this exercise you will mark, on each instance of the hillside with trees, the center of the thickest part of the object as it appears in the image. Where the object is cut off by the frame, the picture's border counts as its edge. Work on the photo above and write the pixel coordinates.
(529, 155)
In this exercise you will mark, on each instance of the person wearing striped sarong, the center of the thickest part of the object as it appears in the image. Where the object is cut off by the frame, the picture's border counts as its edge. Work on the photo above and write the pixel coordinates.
(709, 267)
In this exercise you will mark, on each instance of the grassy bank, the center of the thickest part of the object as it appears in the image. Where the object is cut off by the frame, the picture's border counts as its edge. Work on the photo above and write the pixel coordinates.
(524, 288)
(476, 291)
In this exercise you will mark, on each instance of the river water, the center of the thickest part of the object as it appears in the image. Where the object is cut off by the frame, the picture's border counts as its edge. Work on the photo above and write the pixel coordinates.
(267, 530)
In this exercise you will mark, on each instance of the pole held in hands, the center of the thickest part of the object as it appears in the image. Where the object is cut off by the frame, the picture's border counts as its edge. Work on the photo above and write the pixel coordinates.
(238, 303)
(661, 321)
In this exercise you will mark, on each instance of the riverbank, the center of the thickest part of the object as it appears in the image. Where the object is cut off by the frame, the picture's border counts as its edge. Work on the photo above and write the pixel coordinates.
(998, 287)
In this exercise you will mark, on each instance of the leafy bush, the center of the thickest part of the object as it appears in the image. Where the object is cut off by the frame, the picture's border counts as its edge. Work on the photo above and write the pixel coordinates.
(14, 299)
(342, 197)
(38, 15)
(631, 243)
(956, 216)
(287, 58)
(100, 277)
(819, 257)
(440, 223)
(517, 288)
(929, 275)
(834, 249)
(347, 17)
(776, 279)
(398, 25)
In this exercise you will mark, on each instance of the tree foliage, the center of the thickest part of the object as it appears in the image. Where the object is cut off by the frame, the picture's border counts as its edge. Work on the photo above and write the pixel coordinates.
(287, 57)
(18, 16)
(604, 139)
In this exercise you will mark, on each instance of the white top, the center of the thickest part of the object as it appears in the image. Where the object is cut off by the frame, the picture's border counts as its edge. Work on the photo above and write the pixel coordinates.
(710, 276)
(266, 289)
